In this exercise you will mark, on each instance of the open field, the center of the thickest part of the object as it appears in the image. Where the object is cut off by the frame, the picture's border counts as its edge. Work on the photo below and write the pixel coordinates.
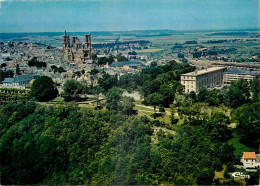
(149, 50)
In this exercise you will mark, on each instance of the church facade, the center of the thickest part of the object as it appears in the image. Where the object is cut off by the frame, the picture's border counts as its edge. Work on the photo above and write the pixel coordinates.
(75, 51)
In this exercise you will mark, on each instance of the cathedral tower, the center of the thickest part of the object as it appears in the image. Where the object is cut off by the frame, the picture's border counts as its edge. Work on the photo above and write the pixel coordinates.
(66, 41)
(87, 41)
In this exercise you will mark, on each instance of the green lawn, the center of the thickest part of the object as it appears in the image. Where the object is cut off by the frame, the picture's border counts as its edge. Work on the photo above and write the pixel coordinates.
(220, 174)
(57, 100)
(149, 111)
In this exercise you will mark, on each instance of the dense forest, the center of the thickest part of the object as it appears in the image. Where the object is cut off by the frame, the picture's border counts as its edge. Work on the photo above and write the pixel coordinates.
(66, 144)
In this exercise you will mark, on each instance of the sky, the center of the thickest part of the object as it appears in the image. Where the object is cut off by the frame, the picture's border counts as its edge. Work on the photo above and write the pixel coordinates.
(126, 15)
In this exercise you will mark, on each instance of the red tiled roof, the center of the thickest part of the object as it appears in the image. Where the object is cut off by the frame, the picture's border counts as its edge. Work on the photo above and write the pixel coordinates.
(249, 155)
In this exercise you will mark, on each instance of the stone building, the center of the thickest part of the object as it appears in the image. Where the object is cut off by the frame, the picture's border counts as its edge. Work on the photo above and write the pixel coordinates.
(75, 51)
(208, 77)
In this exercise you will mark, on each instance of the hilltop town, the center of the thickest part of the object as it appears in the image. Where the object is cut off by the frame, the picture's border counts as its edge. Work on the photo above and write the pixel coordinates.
(74, 58)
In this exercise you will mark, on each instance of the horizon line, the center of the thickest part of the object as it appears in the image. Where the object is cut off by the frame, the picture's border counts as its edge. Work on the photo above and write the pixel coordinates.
(176, 30)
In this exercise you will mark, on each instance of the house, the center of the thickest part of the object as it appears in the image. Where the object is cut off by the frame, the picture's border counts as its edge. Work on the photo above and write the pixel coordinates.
(250, 160)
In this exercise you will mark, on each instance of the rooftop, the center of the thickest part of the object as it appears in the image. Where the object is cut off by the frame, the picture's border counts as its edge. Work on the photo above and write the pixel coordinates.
(9, 80)
(21, 78)
(239, 71)
(238, 65)
(249, 155)
(204, 71)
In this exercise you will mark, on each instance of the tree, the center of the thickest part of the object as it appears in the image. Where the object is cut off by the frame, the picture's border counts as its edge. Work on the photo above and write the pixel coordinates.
(60, 69)
(235, 97)
(217, 127)
(161, 108)
(227, 153)
(9, 74)
(94, 72)
(72, 90)
(107, 82)
(43, 89)
(150, 87)
(184, 60)
(17, 70)
(125, 81)
(6, 74)
(167, 94)
(3, 65)
(85, 90)
(154, 99)
(82, 71)
(226, 175)
(94, 57)
(217, 164)
(132, 53)
(8, 59)
(102, 61)
(238, 93)
(2, 75)
(248, 128)
(255, 87)
(203, 94)
(121, 58)
(205, 177)
(193, 96)
(126, 105)
(97, 91)
(153, 64)
(77, 73)
(230, 167)
(180, 55)
(172, 118)
(113, 97)
(53, 67)
(110, 59)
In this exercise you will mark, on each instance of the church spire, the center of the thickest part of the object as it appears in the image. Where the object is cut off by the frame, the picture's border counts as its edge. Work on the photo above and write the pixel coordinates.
(65, 33)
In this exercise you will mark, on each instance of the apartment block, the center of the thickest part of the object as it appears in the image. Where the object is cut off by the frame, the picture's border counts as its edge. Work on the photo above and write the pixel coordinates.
(208, 77)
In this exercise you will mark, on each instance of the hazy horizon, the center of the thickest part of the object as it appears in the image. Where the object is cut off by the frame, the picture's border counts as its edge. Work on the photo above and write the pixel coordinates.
(30, 16)
(177, 31)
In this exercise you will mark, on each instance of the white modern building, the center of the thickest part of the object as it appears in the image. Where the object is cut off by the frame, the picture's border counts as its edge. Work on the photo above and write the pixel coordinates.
(208, 77)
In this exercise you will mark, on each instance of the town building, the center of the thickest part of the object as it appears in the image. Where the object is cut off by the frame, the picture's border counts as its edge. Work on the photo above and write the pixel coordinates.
(208, 77)
(75, 51)
(250, 160)
(235, 74)
(21, 81)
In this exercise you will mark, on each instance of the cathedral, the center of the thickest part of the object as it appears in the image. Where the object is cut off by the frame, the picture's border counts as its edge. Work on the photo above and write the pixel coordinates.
(76, 51)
